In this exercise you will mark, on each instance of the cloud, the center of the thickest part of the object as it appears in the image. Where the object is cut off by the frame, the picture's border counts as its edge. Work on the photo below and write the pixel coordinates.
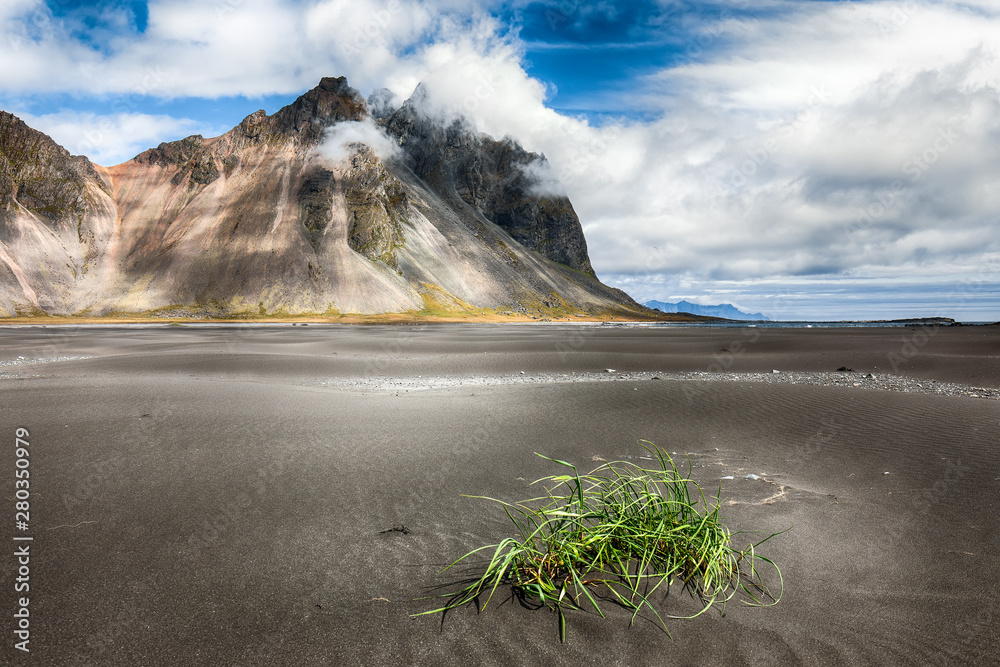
(341, 140)
(543, 179)
(786, 143)
(233, 47)
(827, 142)
(836, 140)
(106, 138)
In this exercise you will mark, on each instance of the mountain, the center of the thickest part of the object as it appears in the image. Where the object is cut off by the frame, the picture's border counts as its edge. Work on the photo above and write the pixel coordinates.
(302, 211)
(726, 310)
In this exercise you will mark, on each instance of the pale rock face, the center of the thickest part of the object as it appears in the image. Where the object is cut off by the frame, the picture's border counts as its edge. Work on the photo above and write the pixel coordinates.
(257, 221)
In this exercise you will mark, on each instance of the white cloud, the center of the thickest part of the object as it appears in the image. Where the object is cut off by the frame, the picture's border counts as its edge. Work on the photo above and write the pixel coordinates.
(105, 139)
(341, 140)
(238, 47)
(854, 139)
(543, 178)
(820, 142)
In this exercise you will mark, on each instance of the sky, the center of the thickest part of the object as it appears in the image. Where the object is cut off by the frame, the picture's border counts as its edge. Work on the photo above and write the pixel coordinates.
(808, 159)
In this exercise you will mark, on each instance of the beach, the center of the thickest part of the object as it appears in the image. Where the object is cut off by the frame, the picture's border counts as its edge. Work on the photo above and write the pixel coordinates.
(207, 495)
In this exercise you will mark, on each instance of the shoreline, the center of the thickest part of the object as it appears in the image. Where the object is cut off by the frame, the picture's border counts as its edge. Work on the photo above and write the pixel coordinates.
(407, 319)
(388, 384)
(886, 382)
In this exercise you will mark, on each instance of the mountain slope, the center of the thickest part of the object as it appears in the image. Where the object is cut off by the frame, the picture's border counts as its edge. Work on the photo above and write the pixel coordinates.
(261, 220)
(57, 216)
(493, 179)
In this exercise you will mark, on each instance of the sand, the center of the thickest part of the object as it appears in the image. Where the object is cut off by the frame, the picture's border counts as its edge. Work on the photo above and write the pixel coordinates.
(214, 495)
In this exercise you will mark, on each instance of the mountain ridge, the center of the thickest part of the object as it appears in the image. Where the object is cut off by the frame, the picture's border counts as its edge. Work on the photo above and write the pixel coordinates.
(257, 221)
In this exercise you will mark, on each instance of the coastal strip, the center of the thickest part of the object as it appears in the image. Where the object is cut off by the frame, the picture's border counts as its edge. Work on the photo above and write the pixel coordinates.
(880, 382)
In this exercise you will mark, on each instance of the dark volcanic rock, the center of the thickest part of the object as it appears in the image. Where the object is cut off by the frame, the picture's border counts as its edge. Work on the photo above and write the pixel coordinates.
(500, 186)
(381, 104)
(195, 160)
(332, 101)
(315, 202)
(494, 178)
(376, 206)
(40, 175)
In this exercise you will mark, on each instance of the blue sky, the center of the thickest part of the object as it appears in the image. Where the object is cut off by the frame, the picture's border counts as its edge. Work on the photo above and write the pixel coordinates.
(807, 159)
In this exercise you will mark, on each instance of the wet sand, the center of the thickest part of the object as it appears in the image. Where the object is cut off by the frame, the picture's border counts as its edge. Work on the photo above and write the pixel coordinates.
(217, 495)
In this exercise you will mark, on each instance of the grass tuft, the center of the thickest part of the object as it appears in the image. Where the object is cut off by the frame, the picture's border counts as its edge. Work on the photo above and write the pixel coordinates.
(620, 532)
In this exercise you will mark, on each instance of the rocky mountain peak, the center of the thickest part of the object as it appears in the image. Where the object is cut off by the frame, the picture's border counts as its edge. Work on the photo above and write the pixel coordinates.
(381, 104)
(39, 174)
(332, 101)
(303, 121)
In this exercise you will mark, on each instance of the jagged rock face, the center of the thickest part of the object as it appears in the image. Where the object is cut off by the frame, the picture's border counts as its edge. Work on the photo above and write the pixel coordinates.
(332, 101)
(256, 221)
(56, 215)
(377, 206)
(197, 165)
(380, 104)
(41, 176)
(497, 184)
(315, 201)
(492, 177)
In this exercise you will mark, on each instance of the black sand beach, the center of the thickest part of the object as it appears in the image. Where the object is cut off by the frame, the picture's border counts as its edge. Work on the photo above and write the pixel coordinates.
(219, 495)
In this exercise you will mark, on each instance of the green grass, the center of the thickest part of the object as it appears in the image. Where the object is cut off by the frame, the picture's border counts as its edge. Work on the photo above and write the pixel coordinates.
(621, 533)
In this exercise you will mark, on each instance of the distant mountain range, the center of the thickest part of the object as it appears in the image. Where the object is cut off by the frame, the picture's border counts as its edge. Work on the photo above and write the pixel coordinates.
(726, 310)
